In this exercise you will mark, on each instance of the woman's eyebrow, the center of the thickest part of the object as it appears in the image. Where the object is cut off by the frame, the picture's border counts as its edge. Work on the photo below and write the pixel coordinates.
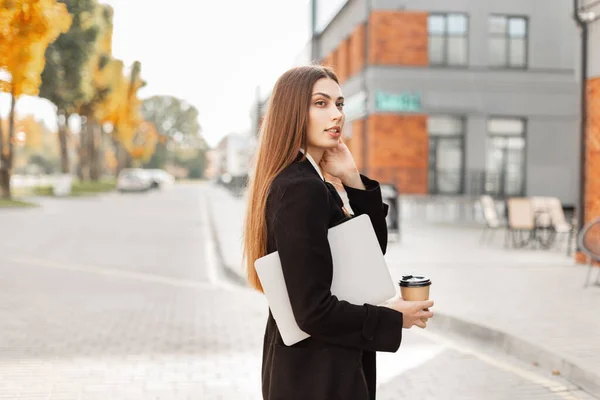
(326, 95)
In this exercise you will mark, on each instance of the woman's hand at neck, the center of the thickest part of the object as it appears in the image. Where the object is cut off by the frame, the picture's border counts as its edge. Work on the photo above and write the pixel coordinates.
(338, 162)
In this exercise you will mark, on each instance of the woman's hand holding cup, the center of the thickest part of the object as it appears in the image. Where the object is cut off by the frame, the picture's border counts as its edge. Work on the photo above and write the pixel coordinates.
(413, 312)
(413, 301)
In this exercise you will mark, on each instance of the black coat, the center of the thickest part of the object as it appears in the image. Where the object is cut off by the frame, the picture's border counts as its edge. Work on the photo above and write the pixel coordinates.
(338, 360)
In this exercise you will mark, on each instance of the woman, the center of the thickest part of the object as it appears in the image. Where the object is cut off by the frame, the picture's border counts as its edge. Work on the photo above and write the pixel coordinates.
(290, 209)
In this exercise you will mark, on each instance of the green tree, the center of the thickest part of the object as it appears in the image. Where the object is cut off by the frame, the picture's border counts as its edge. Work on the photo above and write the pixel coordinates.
(66, 79)
(175, 120)
(196, 165)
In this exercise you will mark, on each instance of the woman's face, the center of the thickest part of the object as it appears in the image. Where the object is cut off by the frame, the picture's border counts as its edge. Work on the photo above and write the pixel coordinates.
(325, 115)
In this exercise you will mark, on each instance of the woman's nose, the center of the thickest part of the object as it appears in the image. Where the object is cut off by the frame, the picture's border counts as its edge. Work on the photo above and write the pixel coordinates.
(336, 115)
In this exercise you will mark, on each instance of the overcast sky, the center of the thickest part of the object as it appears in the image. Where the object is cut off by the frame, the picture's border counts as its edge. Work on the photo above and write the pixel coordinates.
(211, 53)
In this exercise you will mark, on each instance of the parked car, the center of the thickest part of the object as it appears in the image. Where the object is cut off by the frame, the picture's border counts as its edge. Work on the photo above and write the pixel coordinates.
(160, 178)
(134, 180)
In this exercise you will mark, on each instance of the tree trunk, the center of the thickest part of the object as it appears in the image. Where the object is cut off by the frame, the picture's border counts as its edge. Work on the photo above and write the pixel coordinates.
(95, 141)
(83, 150)
(4, 183)
(119, 157)
(62, 138)
(11, 131)
(6, 159)
(103, 149)
(81, 159)
(3, 193)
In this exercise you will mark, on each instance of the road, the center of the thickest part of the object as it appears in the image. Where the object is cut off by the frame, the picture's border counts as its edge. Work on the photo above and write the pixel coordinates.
(120, 296)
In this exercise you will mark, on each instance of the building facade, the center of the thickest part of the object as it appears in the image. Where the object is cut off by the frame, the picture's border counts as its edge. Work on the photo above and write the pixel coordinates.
(231, 157)
(455, 96)
(590, 14)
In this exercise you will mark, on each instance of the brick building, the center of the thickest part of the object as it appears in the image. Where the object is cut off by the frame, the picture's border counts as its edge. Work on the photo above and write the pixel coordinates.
(590, 17)
(456, 96)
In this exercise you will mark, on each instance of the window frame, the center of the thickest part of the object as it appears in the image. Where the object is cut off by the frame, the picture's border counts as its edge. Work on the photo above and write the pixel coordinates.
(463, 137)
(506, 36)
(446, 35)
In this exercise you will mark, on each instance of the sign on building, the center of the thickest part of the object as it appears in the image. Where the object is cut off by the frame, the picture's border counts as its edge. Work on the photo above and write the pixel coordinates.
(393, 102)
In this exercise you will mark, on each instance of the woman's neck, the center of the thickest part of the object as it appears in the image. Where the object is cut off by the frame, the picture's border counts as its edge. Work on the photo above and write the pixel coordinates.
(316, 154)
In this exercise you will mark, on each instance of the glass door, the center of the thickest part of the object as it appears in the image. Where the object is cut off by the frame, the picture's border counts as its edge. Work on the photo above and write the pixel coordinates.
(505, 175)
(446, 164)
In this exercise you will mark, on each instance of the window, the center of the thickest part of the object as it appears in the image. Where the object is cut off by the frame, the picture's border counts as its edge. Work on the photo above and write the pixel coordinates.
(505, 170)
(448, 39)
(446, 154)
(508, 41)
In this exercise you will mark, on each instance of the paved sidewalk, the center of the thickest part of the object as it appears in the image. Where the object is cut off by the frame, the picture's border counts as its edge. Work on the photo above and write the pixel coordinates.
(112, 297)
(528, 303)
(85, 334)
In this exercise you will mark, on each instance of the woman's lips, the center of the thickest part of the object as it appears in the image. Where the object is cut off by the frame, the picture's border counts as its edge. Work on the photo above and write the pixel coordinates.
(334, 133)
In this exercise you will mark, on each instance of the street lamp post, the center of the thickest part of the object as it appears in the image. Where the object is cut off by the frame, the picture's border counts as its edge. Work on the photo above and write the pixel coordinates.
(583, 113)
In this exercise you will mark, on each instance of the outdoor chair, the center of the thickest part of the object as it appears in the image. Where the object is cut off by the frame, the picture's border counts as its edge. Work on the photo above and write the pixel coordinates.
(520, 220)
(492, 220)
(545, 233)
(589, 244)
(561, 226)
(541, 210)
(550, 221)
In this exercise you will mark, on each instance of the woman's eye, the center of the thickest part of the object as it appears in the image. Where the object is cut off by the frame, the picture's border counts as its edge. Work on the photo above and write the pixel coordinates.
(320, 103)
(340, 105)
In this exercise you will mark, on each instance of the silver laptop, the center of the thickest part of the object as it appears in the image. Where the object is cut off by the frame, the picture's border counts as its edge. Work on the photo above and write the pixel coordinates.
(360, 274)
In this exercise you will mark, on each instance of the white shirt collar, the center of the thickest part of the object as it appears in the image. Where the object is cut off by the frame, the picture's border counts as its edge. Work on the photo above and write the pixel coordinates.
(314, 164)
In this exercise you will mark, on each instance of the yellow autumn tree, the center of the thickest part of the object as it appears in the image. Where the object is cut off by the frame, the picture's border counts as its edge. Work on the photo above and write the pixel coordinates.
(144, 143)
(107, 111)
(122, 109)
(33, 133)
(110, 159)
(105, 72)
(32, 139)
(28, 138)
(27, 27)
(129, 115)
(7, 15)
(116, 102)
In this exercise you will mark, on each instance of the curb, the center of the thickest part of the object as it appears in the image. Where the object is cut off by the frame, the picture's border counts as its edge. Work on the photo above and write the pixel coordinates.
(474, 332)
(519, 348)
(231, 273)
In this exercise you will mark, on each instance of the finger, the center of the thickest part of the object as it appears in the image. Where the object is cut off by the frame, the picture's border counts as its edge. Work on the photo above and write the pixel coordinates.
(426, 314)
(426, 304)
(421, 324)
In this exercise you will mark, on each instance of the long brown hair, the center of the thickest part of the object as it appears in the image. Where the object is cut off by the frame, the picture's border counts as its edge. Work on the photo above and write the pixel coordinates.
(282, 134)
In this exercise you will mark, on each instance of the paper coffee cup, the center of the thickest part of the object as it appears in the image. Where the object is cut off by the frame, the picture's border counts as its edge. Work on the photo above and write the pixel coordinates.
(415, 288)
